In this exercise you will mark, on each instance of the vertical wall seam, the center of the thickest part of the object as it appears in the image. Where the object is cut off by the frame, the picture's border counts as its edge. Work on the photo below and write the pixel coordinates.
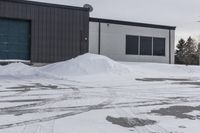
(152, 51)
(138, 45)
(99, 47)
(169, 46)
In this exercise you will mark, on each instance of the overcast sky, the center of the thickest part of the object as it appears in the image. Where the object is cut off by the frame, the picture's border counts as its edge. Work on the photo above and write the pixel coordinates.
(184, 14)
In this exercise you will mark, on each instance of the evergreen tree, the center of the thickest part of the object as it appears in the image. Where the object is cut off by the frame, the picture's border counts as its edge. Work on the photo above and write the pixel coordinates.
(190, 46)
(198, 52)
(180, 51)
(190, 52)
(187, 52)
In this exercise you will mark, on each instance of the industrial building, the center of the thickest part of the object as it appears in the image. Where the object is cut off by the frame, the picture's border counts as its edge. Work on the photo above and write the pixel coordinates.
(41, 32)
(45, 33)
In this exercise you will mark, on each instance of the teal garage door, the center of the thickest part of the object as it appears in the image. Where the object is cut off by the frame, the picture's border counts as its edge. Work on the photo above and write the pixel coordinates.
(14, 39)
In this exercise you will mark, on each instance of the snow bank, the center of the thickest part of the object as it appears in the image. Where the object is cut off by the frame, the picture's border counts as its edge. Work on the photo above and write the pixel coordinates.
(163, 70)
(87, 64)
(16, 69)
(92, 65)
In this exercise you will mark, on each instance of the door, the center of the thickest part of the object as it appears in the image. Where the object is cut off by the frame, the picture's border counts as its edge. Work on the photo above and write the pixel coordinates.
(14, 39)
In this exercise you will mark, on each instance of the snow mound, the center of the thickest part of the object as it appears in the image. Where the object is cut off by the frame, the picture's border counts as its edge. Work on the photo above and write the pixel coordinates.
(87, 64)
(15, 69)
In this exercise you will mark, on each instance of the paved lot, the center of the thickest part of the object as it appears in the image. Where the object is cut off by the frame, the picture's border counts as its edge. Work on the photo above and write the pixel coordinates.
(147, 105)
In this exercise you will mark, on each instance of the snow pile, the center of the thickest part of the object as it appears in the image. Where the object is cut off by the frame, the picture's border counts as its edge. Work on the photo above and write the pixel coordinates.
(92, 65)
(16, 69)
(87, 64)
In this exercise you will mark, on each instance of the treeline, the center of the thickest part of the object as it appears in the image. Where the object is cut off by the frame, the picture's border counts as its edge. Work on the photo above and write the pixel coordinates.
(187, 52)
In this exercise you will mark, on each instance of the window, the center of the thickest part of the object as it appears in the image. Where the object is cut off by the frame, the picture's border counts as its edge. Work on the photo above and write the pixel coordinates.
(142, 45)
(132, 45)
(159, 46)
(145, 45)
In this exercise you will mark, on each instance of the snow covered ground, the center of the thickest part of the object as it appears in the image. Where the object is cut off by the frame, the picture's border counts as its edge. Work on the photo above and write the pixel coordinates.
(94, 94)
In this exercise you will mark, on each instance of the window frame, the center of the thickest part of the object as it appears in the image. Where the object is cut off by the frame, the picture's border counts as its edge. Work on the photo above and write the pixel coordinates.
(146, 37)
(164, 54)
(139, 45)
(132, 52)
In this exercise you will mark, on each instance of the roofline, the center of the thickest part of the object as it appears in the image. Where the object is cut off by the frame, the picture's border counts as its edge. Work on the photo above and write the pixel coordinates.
(131, 23)
(47, 4)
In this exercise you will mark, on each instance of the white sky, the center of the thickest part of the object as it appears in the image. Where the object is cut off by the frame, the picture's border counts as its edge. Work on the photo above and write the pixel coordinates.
(183, 14)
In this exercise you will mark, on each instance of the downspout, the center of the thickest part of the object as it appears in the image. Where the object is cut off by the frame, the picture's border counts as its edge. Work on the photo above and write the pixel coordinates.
(99, 41)
(169, 46)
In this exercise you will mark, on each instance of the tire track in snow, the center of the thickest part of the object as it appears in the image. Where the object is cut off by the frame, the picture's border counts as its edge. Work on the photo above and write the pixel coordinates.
(44, 102)
(87, 109)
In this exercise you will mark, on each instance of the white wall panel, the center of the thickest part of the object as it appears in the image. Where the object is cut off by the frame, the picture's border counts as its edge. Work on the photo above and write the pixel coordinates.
(113, 41)
(94, 37)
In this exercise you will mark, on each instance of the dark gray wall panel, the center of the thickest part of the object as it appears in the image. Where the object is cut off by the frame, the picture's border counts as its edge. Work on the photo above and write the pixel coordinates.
(57, 32)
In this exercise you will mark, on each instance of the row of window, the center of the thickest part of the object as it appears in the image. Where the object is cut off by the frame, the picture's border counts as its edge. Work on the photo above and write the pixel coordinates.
(140, 45)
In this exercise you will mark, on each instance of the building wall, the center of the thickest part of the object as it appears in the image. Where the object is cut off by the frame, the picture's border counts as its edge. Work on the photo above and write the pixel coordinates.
(94, 37)
(57, 32)
(113, 41)
(172, 46)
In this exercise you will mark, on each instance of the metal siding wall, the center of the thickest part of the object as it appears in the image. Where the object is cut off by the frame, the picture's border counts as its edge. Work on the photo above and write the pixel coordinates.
(113, 38)
(55, 32)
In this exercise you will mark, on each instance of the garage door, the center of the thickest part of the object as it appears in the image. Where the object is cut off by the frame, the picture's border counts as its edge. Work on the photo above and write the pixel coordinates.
(14, 39)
